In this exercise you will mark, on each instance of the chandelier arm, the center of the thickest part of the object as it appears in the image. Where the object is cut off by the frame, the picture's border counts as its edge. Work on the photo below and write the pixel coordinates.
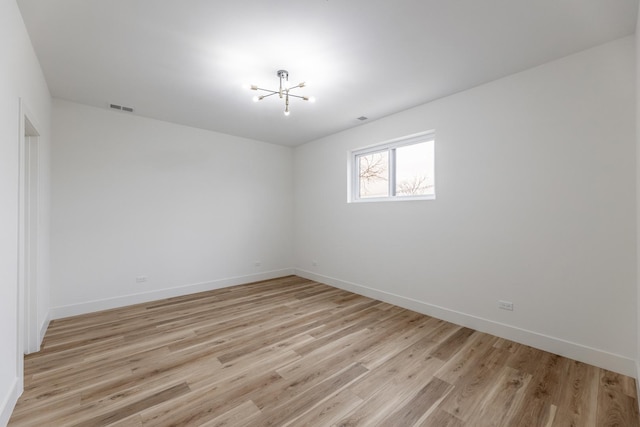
(270, 94)
(298, 96)
(266, 90)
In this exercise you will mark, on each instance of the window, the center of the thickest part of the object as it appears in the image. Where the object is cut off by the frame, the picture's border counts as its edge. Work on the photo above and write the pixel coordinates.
(402, 169)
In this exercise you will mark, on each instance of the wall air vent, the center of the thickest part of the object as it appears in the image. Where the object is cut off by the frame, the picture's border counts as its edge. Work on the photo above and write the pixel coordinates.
(121, 108)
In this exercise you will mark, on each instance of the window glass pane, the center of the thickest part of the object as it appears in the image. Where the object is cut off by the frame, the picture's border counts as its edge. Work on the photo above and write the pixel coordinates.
(414, 169)
(373, 174)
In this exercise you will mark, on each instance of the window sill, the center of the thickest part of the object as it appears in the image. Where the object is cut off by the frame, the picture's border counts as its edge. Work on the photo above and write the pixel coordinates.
(394, 199)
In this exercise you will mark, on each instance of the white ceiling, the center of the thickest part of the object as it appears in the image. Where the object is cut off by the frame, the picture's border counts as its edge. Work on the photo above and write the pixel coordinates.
(185, 61)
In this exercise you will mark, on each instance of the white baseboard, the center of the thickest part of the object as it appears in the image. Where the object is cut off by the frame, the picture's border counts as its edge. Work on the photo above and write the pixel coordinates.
(582, 353)
(638, 383)
(105, 304)
(9, 402)
(44, 327)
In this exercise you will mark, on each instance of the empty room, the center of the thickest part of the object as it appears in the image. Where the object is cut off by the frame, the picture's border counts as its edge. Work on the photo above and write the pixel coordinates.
(319, 213)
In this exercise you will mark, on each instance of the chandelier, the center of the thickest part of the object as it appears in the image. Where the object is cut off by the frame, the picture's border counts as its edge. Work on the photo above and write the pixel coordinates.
(283, 92)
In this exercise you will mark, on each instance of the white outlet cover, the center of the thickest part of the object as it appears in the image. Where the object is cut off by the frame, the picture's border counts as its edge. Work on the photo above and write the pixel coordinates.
(505, 305)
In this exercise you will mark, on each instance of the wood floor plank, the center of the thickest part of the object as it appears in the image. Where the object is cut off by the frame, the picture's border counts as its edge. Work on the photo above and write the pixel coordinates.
(280, 412)
(203, 378)
(578, 401)
(615, 408)
(236, 417)
(132, 421)
(47, 409)
(328, 356)
(500, 403)
(303, 325)
(328, 412)
(403, 366)
(208, 404)
(294, 352)
(441, 418)
(331, 333)
(472, 388)
(383, 400)
(474, 353)
(59, 396)
(136, 407)
(536, 412)
(628, 386)
(452, 344)
(399, 338)
(526, 359)
(420, 405)
(303, 379)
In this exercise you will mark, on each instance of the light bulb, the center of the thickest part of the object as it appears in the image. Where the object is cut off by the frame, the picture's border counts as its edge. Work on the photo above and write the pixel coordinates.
(256, 98)
(309, 98)
(287, 112)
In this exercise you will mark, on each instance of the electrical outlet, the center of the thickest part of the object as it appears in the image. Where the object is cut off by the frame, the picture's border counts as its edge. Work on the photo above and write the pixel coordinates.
(141, 279)
(257, 263)
(314, 263)
(505, 305)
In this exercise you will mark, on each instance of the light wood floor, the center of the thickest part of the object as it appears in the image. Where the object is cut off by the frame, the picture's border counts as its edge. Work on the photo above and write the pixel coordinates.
(295, 352)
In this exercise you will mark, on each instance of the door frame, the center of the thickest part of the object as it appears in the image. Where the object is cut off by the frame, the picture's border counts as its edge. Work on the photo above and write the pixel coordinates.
(28, 334)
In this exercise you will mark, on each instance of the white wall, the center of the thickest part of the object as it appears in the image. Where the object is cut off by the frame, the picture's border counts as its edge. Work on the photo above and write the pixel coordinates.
(190, 209)
(20, 77)
(535, 184)
(637, 39)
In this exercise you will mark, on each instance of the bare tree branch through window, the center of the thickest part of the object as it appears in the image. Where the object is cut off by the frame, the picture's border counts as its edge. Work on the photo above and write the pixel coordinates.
(373, 173)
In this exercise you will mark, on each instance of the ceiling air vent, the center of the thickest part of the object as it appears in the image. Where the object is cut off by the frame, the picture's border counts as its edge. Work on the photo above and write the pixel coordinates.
(121, 108)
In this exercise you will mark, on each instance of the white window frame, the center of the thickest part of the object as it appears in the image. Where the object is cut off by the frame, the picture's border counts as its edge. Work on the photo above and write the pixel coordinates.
(353, 195)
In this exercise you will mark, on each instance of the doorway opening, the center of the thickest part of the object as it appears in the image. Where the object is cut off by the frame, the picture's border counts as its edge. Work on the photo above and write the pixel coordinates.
(28, 248)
